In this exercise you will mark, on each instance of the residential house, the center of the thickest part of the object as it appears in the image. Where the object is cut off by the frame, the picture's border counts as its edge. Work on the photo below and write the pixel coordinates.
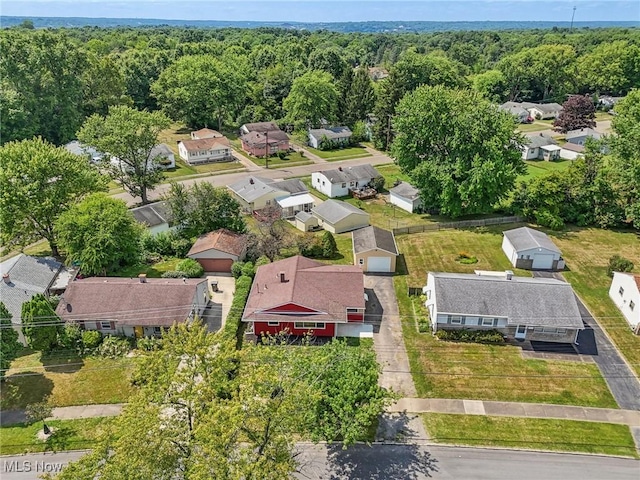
(608, 102)
(260, 127)
(139, 307)
(24, 277)
(539, 146)
(625, 293)
(518, 110)
(154, 216)
(301, 296)
(256, 193)
(335, 136)
(524, 308)
(164, 155)
(216, 251)
(544, 111)
(579, 137)
(531, 250)
(339, 217)
(339, 182)
(570, 151)
(206, 150)
(85, 151)
(205, 133)
(374, 249)
(405, 196)
(378, 73)
(255, 143)
(305, 221)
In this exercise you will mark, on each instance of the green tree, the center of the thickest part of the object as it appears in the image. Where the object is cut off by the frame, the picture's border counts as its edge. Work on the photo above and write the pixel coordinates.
(9, 344)
(140, 69)
(40, 324)
(461, 152)
(127, 136)
(328, 59)
(329, 246)
(103, 86)
(201, 90)
(611, 67)
(619, 264)
(313, 97)
(360, 97)
(100, 234)
(491, 85)
(38, 182)
(577, 112)
(202, 208)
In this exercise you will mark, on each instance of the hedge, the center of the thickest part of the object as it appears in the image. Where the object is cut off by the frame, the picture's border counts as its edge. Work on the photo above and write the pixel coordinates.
(471, 336)
(233, 325)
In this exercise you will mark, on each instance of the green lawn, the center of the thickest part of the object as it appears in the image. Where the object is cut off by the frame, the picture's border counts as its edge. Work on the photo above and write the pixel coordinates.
(77, 434)
(153, 271)
(538, 168)
(391, 172)
(603, 116)
(340, 154)
(485, 372)
(66, 379)
(533, 127)
(292, 158)
(531, 434)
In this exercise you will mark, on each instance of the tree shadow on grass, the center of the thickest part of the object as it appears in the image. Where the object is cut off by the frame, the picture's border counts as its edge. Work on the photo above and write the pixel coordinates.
(62, 361)
(22, 389)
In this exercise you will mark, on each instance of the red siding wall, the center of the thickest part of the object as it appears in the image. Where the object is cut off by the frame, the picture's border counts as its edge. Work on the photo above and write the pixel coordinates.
(355, 317)
(262, 327)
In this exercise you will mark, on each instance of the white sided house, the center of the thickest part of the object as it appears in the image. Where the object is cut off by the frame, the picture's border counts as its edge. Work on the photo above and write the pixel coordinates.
(580, 136)
(405, 196)
(339, 182)
(531, 249)
(154, 216)
(336, 216)
(544, 111)
(335, 136)
(539, 146)
(374, 250)
(625, 293)
(523, 308)
(256, 193)
(205, 150)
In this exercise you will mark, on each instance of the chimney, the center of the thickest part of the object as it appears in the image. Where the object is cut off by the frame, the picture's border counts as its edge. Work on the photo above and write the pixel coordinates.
(340, 168)
(508, 274)
(283, 277)
(6, 278)
(143, 278)
(251, 181)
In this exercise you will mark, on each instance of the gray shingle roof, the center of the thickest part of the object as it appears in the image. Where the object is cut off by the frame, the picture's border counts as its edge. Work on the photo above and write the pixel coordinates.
(522, 300)
(261, 127)
(28, 276)
(333, 211)
(152, 214)
(293, 185)
(332, 133)
(303, 216)
(161, 149)
(351, 174)
(525, 238)
(547, 107)
(252, 188)
(259, 138)
(369, 238)
(406, 190)
(537, 140)
(583, 132)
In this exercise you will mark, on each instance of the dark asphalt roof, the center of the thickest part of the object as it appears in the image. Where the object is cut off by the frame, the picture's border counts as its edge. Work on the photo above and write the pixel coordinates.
(370, 238)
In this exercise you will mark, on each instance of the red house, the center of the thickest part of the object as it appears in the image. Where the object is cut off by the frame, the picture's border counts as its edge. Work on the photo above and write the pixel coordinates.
(300, 296)
(255, 143)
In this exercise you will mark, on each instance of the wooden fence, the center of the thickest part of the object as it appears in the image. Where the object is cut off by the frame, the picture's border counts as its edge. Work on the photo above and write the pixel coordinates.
(434, 227)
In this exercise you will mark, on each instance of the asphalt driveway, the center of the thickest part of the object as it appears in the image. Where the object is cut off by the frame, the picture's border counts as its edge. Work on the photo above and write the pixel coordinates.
(623, 384)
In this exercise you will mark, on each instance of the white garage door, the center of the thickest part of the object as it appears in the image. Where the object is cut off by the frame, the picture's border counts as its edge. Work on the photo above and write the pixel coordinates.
(379, 264)
(542, 261)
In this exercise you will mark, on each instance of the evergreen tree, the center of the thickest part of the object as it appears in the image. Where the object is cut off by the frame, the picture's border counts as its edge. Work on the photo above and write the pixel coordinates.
(9, 344)
(40, 324)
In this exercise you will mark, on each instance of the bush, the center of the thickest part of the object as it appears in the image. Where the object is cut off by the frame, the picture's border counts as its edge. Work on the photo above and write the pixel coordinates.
(248, 270)
(377, 183)
(90, 341)
(310, 245)
(174, 274)
(423, 325)
(263, 260)
(471, 336)
(165, 244)
(619, 264)
(149, 344)
(71, 337)
(232, 326)
(191, 268)
(547, 219)
(236, 269)
(114, 347)
(282, 155)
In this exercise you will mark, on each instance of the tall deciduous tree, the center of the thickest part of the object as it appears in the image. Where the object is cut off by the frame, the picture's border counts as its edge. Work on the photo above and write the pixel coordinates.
(127, 136)
(328, 59)
(313, 97)
(38, 182)
(203, 208)
(611, 67)
(100, 234)
(461, 152)
(201, 90)
(491, 85)
(103, 86)
(577, 112)
(40, 324)
(9, 344)
(360, 98)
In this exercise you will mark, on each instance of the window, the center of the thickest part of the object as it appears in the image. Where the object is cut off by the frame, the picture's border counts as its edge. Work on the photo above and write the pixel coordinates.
(352, 310)
(561, 331)
(361, 261)
(631, 305)
(323, 182)
(487, 322)
(352, 184)
(273, 324)
(456, 319)
(157, 330)
(303, 325)
(549, 330)
(621, 291)
(105, 325)
(344, 185)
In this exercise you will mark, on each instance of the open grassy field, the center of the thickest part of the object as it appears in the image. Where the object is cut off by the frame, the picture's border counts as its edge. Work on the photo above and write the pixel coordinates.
(340, 154)
(66, 379)
(292, 159)
(531, 433)
(69, 435)
(486, 372)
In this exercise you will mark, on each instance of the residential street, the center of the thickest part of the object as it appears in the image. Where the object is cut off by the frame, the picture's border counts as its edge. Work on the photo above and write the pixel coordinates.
(400, 462)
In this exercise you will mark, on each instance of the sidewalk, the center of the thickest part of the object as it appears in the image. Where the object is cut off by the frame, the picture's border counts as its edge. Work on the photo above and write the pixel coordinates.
(12, 417)
(515, 409)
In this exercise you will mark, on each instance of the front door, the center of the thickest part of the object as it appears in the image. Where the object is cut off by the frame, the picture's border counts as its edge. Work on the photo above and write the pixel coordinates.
(139, 332)
(521, 331)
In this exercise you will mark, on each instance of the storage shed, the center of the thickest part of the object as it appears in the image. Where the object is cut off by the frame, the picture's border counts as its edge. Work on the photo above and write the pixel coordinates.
(374, 250)
(305, 221)
(531, 250)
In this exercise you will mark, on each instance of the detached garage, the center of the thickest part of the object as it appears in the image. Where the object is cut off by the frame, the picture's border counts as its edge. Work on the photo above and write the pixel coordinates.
(216, 251)
(531, 249)
(339, 217)
(375, 250)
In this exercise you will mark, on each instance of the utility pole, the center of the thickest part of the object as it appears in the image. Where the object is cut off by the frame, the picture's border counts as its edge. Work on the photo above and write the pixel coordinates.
(572, 15)
(266, 150)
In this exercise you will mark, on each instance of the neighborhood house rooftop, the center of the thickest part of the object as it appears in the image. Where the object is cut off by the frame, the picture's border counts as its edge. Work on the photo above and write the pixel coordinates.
(334, 210)
(351, 174)
(370, 238)
(525, 238)
(222, 240)
(406, 190)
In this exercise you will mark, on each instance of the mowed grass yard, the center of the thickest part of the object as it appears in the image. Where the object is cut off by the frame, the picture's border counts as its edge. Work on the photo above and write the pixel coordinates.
(66, 380)
(348, 153)
(485, 372)
(540, 167)
(531, 434)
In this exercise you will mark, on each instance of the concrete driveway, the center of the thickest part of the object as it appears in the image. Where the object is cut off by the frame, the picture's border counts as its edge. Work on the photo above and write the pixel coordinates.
(623, 384)
(216, 313)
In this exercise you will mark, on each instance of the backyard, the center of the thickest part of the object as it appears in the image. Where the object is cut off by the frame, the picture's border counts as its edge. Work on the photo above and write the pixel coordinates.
(476, 371)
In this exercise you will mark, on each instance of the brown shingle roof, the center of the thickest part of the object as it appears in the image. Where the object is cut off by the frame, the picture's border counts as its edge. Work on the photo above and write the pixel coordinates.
(205, 133)
(261, 127)
(258, 138)
(158, 302)
(222, 240)
(205, 143)
(326, 289)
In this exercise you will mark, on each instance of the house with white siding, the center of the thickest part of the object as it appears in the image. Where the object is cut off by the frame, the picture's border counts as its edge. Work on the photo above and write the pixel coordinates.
(405, 196)
(625, 293)
(335, 136)
(538, 146)
(205, 150)
(339, 217)
(544, 111)
(338, 182)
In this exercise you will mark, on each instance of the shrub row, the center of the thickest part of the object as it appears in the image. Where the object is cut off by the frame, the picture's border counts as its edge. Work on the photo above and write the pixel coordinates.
(233, 325)
(471, 336)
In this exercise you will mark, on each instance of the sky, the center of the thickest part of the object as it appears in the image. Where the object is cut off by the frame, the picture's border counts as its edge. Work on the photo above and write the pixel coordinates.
(331, 10)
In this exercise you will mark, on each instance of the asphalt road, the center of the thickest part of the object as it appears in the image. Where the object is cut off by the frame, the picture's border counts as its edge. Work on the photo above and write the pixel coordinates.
(400, 462)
